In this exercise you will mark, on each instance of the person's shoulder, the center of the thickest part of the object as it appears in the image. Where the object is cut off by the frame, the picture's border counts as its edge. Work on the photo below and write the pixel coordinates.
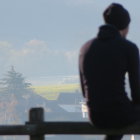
(129, 44)
(86, 46)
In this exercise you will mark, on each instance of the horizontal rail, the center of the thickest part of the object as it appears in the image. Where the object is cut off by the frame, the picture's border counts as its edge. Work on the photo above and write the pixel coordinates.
(84, 128)
(18, 129)
(75, 128)
(37, 128)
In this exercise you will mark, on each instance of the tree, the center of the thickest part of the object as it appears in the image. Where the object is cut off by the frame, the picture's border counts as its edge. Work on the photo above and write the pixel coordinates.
(14, 88)
(14, 82)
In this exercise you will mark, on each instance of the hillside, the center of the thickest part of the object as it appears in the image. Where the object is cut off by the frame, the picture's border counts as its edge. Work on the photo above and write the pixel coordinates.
(51, 92)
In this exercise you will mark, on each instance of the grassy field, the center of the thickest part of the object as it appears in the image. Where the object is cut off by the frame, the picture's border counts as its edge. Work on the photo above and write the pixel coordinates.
(52, 92)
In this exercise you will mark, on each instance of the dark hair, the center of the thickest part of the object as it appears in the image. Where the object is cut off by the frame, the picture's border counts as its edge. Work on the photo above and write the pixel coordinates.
(117, 15)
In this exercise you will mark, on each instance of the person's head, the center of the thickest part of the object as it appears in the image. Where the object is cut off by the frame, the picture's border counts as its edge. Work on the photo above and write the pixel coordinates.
(118, 16)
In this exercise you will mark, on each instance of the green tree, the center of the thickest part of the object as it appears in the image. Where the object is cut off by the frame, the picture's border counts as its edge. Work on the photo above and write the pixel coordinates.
(14, 82)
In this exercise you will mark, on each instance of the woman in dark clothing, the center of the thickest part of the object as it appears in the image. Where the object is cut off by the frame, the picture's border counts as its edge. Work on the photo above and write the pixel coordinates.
(103, 64)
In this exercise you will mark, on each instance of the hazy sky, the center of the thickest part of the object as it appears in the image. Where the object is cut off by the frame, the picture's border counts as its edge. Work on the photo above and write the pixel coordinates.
(43, 37)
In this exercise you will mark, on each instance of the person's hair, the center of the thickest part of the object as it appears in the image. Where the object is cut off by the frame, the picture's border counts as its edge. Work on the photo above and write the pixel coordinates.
(117, 15)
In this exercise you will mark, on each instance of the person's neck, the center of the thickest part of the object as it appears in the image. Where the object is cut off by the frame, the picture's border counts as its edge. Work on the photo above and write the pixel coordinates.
(122, 34)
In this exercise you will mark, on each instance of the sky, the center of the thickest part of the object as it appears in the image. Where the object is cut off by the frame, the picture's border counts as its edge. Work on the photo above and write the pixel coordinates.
(42, 38)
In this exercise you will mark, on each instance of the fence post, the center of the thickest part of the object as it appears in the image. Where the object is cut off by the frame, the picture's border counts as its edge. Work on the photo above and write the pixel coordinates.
(36, 116)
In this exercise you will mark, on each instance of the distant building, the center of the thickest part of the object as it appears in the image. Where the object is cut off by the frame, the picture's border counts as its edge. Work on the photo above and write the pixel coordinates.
(84, 109)
(72, 103)
(70, 98)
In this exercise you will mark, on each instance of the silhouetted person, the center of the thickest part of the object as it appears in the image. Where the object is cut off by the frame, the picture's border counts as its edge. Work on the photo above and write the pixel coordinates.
(104, 62)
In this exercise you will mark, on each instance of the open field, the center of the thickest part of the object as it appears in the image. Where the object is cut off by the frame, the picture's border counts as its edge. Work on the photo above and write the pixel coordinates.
(52, 92)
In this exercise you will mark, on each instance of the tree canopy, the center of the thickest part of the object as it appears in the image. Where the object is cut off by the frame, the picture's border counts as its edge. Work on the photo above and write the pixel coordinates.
(14, 82)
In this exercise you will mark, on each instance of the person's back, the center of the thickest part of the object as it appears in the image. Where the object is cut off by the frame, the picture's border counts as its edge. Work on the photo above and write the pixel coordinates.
(104, 62)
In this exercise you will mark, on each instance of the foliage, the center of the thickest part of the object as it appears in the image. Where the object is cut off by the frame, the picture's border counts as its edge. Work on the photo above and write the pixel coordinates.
(14, 82)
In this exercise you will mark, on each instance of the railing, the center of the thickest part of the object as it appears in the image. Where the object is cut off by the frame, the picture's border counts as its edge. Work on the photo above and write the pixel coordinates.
(37, 128)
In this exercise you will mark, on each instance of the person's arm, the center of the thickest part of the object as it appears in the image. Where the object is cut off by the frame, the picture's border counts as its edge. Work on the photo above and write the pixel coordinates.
(81, 66)
(82, 84)
(134, 74)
